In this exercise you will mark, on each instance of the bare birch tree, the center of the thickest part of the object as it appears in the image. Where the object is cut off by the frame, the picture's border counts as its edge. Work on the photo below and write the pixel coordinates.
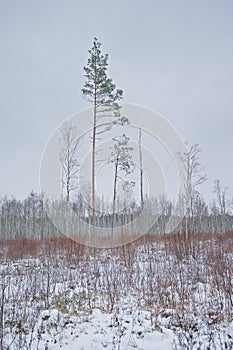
(68, 156)
(192, 178)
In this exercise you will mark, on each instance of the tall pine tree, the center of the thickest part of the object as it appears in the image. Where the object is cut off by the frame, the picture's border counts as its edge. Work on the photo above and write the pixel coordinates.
(101, 92)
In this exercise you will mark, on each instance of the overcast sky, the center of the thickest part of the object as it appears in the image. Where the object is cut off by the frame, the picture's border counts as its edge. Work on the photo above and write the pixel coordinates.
(175, 57)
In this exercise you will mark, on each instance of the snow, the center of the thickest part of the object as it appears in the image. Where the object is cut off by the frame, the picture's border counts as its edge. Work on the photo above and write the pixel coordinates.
(100, 331)
(143, 299)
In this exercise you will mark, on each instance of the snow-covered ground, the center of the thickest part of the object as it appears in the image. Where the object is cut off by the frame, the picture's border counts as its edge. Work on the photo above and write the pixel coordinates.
(130, 329)
(140, 297)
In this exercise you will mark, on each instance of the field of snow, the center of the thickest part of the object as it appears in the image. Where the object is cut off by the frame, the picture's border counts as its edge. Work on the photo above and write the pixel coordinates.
(130, 329)
(136, 297)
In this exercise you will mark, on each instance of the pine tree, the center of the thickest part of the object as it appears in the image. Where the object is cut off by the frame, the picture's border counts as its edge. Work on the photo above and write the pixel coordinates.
(121, 157)
(101, 92)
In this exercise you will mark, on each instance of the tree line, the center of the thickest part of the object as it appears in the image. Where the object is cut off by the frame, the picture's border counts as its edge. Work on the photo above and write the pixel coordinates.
(28, 219)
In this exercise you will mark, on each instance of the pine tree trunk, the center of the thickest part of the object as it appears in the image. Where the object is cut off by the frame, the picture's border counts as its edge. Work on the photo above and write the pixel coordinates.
(93, 160)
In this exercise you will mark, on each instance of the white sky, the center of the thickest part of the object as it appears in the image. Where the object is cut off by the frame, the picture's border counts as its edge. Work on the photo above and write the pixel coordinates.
(175, 57)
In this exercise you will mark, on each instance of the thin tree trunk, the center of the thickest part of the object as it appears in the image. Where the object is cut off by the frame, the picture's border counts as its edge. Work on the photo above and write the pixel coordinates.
(115, 192)
(93, 160)
(68, 176)
(67, 192)
(141, 168)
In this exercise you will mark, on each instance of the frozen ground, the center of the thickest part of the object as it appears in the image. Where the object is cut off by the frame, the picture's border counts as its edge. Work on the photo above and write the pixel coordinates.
(139, 297)
(108, 331)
